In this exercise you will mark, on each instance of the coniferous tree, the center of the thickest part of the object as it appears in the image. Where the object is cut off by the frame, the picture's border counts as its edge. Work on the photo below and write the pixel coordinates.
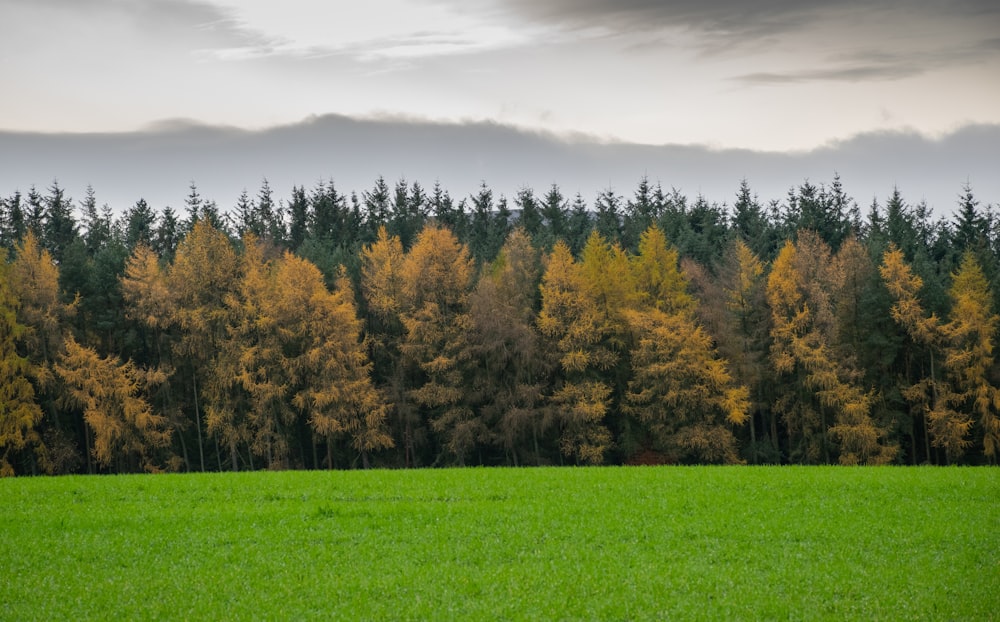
(204, 273)
(140, 224)
(608, 218)
(481, 225)
(579, 224)
(749, 221)
(436, 281)
(505, 364)
(382, 291)
(576, 329)
(19, 414)
(167, 235)
(640, 212)
(825, 404)
(110, 393)
(59, 229)
(97, 224)
(378, 208)
(529, 218)
(554, 210)
(14, 222)
(298, 209)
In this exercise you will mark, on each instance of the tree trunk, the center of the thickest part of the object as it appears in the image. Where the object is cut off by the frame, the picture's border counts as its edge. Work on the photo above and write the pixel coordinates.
(197, 420)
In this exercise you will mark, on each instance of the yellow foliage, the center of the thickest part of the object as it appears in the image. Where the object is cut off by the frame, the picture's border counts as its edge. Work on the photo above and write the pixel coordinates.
(110, 394)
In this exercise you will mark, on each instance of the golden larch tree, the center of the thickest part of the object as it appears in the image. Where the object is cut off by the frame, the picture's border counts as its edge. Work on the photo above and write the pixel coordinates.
(19, 414)
(680, 390)
(957, 386)
(822, 383)
(508, 365)
(576, 326)
(437, 279)
(382, 291)
(110, 393)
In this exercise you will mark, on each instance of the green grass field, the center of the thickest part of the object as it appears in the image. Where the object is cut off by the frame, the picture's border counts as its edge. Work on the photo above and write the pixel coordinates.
(603, 543)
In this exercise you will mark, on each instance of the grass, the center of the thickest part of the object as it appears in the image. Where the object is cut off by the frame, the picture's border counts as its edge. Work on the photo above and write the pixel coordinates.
(604, 543)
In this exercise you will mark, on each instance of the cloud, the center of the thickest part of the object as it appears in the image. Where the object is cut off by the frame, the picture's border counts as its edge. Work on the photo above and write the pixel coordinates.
(878, 65)
(734, 18)
(159, 164)
(377, 30)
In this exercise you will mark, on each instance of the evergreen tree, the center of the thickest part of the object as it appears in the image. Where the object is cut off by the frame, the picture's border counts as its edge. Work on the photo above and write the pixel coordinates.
(640, 212)
(530, 218)
(480, 229)
(378, 208)
(298, 209)
(140, 224)
(15, 223)
(167, 235)
(749, 222)
(97, 224)
(608, 219)
(554, 210)
(59, 228)
(579, 224)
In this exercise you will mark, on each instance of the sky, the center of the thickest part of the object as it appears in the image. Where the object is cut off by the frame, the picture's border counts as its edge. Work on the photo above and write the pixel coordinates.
(761, 79)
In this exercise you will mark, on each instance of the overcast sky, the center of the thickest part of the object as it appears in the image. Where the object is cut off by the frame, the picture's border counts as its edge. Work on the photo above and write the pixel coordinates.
(774, 76)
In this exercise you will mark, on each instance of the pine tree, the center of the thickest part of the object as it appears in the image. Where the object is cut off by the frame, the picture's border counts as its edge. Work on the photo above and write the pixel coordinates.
(608, 219)
(530, 216)
(140, 224)
(59, 229)
(554, 211)
(298, 210)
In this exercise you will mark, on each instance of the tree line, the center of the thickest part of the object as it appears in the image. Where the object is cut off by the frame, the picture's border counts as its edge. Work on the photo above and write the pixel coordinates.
(402, 328)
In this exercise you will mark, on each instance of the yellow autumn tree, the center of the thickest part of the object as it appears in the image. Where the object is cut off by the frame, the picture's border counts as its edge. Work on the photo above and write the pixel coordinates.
(34, 281)
(126, 430)
(382, 292)
(328, 361)
(247, 384)
(437, 279)
(957, 386)
(19, 414)
(969, 358)
(680, 391)
(205, 271)
(576, 326)
(150, 302)
(660, 284)
(34, 277)
(824, 404)
(745, 346)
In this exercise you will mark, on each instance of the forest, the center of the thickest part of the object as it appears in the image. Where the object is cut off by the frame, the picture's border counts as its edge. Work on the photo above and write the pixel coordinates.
(400, 327)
